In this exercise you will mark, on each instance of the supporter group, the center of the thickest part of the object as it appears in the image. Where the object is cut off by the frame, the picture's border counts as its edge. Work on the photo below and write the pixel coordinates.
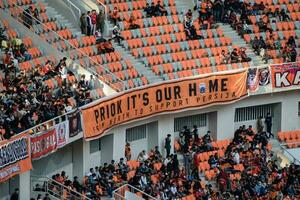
(170, 43)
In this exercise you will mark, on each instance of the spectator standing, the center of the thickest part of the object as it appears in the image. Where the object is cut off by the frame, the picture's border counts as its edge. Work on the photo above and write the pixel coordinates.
(15, 195)
(268, 122)
(88, 24)
(36, 15)
(93, 22)
(100, 21)
(168, 144)
(27, 17)
(218, 10)
(259, 125)
(83, 23)
(127, 151)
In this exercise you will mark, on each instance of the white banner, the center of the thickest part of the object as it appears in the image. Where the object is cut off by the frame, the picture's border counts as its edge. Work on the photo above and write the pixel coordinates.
(62, 133)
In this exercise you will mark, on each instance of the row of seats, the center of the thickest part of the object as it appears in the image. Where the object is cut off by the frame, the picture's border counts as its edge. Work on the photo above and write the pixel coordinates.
(172, 38)
(281, 35)
(136, 5)
(196, 48)
(272, 2)
(201, 54)
(169, 29)
(201, 70)
(139, 15)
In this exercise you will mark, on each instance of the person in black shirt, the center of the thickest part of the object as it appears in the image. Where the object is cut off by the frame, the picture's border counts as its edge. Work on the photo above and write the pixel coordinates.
(153, 10)
(234, 56)
(168, 144)
(148, 10)
(268, 122)
(15, 195)
(195, 134)
(160, 10)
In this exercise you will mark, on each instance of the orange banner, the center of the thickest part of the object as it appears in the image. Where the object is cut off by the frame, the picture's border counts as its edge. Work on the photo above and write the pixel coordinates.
(191, 93)
(285, 75)
(15, 156)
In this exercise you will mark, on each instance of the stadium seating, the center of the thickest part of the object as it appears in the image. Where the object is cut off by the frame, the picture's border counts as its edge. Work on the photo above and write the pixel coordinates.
(282, 30)
(290, 138)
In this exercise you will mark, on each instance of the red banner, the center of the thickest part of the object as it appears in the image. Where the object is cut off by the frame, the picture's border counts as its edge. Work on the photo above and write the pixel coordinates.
(15, 156)
(43, 144)
(285, 75)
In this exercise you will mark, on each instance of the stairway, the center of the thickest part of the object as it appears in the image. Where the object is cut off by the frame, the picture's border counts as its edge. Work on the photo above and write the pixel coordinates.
(138, 65)
(52, 12)
(55, 189)
(184, 6)
(238, 41)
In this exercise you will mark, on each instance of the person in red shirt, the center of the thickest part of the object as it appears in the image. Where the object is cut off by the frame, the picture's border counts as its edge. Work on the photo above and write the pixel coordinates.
(94, 21)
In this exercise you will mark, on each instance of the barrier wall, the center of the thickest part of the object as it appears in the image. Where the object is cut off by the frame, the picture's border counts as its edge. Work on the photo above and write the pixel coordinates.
(215, 89)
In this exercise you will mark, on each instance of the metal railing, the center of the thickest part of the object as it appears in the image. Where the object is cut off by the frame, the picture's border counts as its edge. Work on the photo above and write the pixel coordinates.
(120, 193)
(73, 6)
(37, 24)
(55, 189)
(288, 146)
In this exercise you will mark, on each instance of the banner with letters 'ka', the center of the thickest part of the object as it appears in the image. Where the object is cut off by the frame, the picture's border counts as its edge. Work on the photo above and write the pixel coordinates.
(170, 96)
(286, 76)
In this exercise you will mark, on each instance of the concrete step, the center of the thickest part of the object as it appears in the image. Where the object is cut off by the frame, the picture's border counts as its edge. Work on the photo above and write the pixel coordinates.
(138, 65)
(239, 41)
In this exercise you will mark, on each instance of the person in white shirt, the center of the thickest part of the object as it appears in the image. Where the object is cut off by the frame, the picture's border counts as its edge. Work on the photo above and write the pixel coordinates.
(173, 190)
(142, 156)
(236, 157)
(143, 181)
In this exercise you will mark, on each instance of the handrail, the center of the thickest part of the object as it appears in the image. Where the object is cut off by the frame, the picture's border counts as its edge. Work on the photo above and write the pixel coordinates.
(51, 182)
(115, 192)
(69, 44)
(105, 8)
(282, 146)
(71, 4)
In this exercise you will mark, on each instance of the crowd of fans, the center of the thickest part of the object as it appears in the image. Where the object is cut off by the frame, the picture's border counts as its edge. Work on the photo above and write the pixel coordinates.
(260, 177)
(26, 100)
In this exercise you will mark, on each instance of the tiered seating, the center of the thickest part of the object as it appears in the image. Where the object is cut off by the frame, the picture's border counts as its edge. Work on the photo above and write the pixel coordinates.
(35, 52)
(291, 138)
(85, 46)
(161, 43)
(282, 30)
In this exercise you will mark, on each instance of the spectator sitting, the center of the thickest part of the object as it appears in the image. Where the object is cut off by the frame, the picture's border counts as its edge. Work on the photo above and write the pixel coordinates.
(242, 54)
(160, 10)
(153, 10)
(132, 23)
(192, 33)
(105, 47)
(291, 41)
(148, 10)
(234, 57)
(225, 58)
(99, 37)
(284, 16)
(114, 15)
(116, 34)
(293, 54)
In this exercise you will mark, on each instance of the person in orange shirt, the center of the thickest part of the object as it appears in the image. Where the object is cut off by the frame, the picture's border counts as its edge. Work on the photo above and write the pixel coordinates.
(115, 15)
